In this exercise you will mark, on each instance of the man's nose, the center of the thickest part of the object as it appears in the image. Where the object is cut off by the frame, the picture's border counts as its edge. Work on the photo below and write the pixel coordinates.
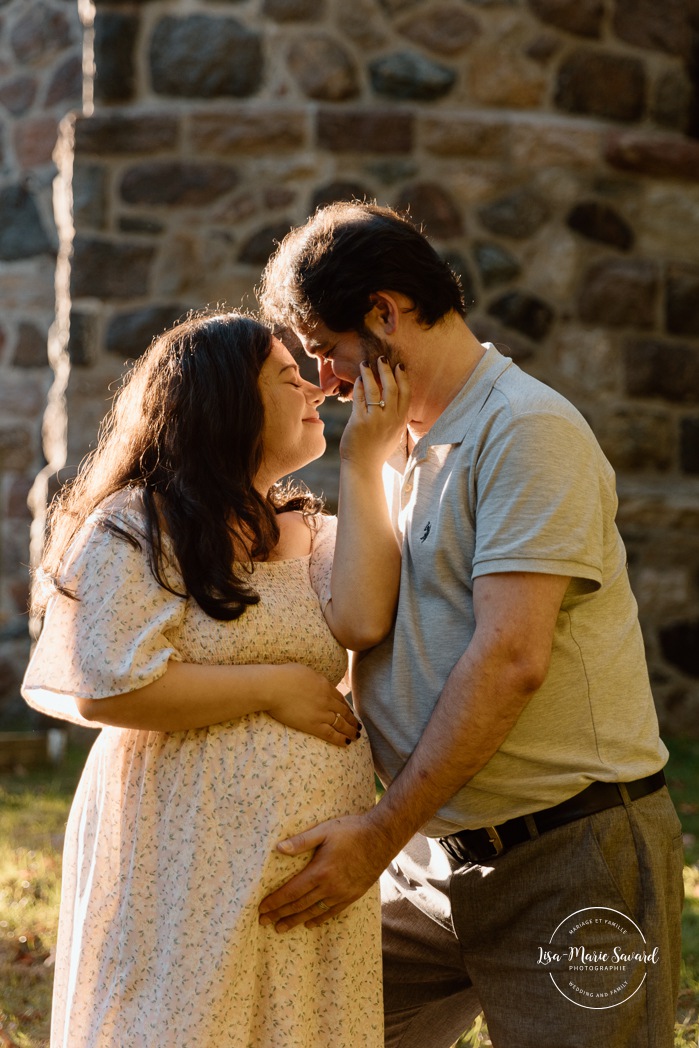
(327, 379)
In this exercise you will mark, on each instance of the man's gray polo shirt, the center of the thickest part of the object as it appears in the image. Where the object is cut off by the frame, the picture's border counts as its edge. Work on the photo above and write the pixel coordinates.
(511, 478)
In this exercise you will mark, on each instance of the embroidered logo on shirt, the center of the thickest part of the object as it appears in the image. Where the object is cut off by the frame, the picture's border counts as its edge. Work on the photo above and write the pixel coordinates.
(426, 532)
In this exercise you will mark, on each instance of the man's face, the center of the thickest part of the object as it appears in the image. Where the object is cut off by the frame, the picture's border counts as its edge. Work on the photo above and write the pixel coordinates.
(339, 355)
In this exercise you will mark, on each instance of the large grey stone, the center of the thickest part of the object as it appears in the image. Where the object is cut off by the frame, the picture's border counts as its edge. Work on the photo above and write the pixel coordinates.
(18, 94)
(115, 69)
(410, 75)
(518, 214)
(600, 222)
(201, 56)
(523, 312)
(109, 269)
(257, 248)
(22, 234)
(130, 334)
(495, 264)
(40, 32)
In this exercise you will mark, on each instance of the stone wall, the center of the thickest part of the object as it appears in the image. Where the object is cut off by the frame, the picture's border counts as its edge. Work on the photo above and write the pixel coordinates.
(549, 147)
(40, 80)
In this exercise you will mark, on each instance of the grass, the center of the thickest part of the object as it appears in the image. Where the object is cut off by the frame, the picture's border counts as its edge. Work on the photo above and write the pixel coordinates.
(33, 810)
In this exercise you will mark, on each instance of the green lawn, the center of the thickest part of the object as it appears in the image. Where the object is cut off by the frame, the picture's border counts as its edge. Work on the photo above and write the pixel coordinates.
(33, 810)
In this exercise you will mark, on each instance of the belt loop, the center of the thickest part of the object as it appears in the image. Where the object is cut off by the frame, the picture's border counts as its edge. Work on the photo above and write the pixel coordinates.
(621, 786)
(532, 827)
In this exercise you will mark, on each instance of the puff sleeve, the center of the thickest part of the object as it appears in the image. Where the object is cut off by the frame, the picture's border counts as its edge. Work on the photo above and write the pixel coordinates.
(322, 553)
(117, 635)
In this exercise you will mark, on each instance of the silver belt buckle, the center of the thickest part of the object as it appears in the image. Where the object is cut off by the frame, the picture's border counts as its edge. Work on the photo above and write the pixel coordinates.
(494, 838)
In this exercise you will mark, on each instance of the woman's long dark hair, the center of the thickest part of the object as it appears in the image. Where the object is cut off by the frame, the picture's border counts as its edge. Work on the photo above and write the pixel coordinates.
(185, 431)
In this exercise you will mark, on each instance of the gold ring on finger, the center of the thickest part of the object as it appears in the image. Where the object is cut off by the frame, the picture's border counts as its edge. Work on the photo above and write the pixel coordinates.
(334, 723)
(323, 905)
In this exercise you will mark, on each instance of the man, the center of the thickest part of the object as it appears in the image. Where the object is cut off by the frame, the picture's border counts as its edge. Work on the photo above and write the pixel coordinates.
(509, 711)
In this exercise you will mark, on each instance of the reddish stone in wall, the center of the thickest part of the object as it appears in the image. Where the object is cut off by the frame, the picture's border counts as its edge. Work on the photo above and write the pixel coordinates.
(582, 17)
(659, 25)
(177, 183)
(662, 156)
(600, 83)
(66, 83)
(31, 351)
(242, 129)
(620, 293)
(322, 68)
(447, 29)
(35, 141)
(432, 206)
(127, 133)
(365, 131)
(598, 221)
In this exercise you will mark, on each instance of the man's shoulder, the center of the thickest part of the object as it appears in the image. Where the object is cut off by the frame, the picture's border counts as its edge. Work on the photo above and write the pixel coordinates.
(518, 396)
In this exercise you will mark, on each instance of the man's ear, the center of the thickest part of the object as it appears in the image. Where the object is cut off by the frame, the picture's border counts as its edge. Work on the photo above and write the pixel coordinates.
(383, 317)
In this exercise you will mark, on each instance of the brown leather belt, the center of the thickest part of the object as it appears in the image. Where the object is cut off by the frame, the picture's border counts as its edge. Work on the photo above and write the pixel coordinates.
(491, 841)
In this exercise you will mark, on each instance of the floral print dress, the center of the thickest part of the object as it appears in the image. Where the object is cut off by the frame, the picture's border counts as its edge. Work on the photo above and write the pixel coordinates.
(170, 844)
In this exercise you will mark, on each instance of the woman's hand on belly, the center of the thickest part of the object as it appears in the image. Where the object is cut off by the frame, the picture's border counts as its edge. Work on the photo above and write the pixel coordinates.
(303, 699)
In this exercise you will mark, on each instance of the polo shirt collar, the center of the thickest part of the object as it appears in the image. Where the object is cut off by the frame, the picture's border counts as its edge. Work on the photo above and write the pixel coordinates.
(454, 422)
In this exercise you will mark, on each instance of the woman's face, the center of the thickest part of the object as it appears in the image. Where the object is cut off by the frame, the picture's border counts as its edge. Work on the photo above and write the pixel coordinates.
(292, 434)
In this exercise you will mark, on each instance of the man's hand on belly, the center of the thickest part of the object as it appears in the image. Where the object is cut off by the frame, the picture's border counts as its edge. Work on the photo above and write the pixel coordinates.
(350, 855)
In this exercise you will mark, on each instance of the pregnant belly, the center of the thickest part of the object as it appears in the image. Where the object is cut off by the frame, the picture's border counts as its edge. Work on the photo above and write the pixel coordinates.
(250, 780)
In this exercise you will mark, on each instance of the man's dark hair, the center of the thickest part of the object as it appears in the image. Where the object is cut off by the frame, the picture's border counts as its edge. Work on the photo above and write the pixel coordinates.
(328, 269)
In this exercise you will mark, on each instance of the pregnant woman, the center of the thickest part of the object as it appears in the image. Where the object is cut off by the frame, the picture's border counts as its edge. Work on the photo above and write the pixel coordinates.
(194, 611)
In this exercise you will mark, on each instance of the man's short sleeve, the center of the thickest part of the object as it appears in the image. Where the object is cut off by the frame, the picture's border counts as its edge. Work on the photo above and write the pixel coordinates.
(539, 498)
